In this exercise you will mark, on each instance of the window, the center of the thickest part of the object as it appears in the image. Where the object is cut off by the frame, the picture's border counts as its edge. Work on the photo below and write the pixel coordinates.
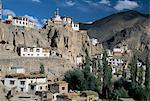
(63, 88)
(20, 22)
(31, 54)
(21, 89)
(31, 49)
(28, 54)
(12, 82)
(44, 54)
(23, 54)
(23, 22)
(25, 49)
(22, 82)
(37, 50)
(40, 87)
(32, 87)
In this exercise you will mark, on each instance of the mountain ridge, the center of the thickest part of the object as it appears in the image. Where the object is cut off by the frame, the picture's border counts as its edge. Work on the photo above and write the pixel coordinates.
(116, 28)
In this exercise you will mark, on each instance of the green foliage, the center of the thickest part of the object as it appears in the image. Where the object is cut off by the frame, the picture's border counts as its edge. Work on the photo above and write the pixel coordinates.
(119, 93)
(80, 80)
(147, 73)
(42, 70)
(133, 69)
(140, 75)
(75, 79)
(147, 77)
(107, 76)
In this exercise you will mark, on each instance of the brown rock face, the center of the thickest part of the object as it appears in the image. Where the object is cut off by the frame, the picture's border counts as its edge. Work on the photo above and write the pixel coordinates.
(66, 42)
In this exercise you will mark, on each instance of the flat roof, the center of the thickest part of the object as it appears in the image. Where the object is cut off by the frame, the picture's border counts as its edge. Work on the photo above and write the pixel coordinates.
(58, 82)
(17, 67)
(38, 83)
(24, 76)
(61, 82)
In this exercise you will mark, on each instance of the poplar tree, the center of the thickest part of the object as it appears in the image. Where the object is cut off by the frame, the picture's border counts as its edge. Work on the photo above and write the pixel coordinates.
(42, 71)
(140, 75)
(134, 69)
(147, 77)
(107, 75)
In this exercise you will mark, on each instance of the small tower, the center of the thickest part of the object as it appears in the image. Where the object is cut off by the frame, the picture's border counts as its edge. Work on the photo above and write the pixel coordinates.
(57, 11)
(0, 10)
(57, 17)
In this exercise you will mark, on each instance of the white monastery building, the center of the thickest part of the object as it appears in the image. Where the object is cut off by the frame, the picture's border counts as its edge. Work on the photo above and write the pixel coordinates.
(21, 21)
(34, 52)
(64, 20)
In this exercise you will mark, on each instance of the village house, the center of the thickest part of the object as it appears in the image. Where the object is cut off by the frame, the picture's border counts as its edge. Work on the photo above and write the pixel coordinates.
(34, 52)
(0, 10)
(118, 51)
(94, 41)
(20, 21)
(63, 20)
(115, 60)
(58, 87)
(90, 95)
(38, 87)
(72, 96)
(23, 83)
(79, 96)
(117, 63)
(17, 70)
(79, 60)
(25, 97)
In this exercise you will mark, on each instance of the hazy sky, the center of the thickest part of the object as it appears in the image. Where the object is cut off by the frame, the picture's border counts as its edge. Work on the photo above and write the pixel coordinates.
(80, 10)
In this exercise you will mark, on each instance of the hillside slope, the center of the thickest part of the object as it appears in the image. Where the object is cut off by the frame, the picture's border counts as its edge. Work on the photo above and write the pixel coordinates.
(130, 26)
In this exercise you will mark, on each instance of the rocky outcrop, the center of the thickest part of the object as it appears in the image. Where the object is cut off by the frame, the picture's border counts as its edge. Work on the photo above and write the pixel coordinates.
(66, 42)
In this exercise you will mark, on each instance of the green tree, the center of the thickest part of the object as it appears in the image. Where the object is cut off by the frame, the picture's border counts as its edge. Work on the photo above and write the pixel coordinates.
(120, 93)
(42, 70)
(107, 76)
(99, 77)
(75, 78)
(147, 76)
(140, 75)
(134, 69)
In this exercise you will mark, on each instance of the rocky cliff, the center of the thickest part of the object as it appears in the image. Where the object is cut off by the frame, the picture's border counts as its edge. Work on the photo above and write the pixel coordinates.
(69, 44)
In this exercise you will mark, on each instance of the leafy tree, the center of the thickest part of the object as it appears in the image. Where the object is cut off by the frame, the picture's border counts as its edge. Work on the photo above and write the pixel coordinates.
(107, 75)
(42, 71)
(75, 78)
(119, 93)
(82, 79)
